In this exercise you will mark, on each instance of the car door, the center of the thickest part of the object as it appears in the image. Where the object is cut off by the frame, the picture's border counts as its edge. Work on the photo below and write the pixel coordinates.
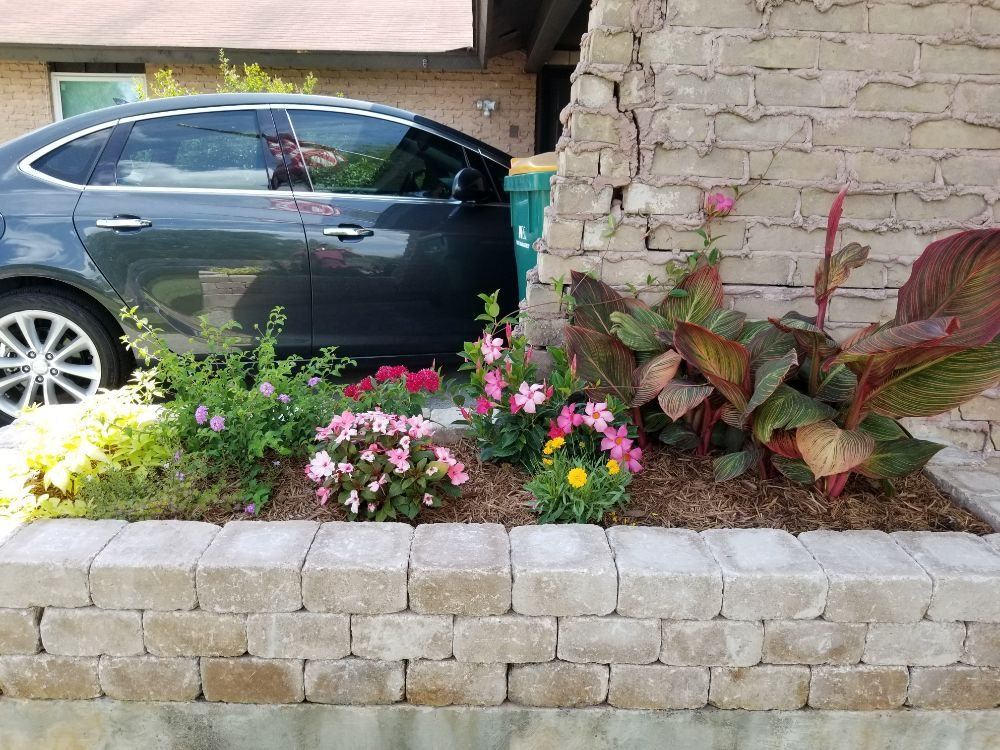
(187, 216)
(396, 262)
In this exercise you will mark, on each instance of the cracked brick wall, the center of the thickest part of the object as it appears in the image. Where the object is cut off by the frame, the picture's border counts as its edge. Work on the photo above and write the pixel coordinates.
(788, 100)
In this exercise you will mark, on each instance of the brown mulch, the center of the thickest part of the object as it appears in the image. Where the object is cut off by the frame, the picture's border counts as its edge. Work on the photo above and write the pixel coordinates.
(675, 489)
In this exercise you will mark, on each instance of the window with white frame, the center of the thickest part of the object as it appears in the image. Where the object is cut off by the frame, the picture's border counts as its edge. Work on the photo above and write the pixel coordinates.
(76, 93)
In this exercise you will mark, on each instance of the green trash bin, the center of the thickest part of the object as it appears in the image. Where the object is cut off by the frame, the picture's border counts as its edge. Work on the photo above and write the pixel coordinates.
(528, 185)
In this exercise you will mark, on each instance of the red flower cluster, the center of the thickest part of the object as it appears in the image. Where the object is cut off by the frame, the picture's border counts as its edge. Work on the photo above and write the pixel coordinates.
(356, 390)
(422, 380)
(386, 373)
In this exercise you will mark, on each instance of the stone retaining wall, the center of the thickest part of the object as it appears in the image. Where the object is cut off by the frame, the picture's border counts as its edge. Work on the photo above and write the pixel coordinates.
(452, 614)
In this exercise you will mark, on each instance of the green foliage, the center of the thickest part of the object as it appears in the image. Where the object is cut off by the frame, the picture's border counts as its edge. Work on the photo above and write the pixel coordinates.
(232, 80)
(561, 498)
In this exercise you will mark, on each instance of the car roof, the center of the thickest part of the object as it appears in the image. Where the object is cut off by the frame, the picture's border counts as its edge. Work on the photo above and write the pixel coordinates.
(44, 135)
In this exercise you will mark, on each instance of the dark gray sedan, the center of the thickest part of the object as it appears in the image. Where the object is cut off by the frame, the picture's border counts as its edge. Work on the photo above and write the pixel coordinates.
(374, 228)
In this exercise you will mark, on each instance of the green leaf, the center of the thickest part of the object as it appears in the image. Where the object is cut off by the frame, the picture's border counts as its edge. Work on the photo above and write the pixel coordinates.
(704, 290)
(678, 397)
(837, 385)
(768, 377)
(594, 303)
(787, 409)
(678, 293)
(891, 339)
(679, 435)
(602, 361)
(793, 468)
(733, 465)
(898, 458)
(636, 335)
(727, 323)
(653, 376)
(882, 428)
(724, 363)
(828, 449)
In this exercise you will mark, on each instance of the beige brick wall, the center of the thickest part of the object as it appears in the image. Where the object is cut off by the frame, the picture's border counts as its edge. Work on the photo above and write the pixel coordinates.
(673, 99)
(25, 98)
(448, 97)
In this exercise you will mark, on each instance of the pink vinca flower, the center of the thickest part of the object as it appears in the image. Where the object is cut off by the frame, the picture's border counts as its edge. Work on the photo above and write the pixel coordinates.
(616, 443)
(631, 459)
(718, 204)
(527, 397)
(419, 427)
(457, 475)
(568, 419)
(491, 349)
(494, 384)
(598, 416)
(444, 454)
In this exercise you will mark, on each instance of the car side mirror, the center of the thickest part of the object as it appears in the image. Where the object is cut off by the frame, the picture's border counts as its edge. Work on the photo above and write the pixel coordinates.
(469, 186)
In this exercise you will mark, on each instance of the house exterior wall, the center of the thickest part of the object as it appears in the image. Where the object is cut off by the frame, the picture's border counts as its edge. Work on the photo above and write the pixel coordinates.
(674, 99)
(26, 97)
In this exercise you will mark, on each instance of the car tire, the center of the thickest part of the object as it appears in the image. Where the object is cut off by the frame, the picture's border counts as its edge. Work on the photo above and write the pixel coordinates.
(85, 358)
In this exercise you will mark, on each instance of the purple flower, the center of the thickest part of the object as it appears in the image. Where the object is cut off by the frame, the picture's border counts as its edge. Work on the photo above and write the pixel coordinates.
(313, 381)
(180, 476)
(251, 509)
(201, 414)
(284, 398)
(217, 423)
(177, 456)
(267, 389)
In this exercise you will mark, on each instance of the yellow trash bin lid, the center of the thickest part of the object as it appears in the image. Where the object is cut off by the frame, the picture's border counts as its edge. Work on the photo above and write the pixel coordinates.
(538, 163)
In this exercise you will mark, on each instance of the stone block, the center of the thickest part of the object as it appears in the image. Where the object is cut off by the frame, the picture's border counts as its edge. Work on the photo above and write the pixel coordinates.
(816, 202)
(763, 302)
(557, 684)
(580, 198)
(794, 165)
(592, 91)
(247, 679)
(646, 199)
(299, 635)
(726, 643)
(665, 573)
(771, 52)
(450, 683)
(788, 89)
(871, 579)
(195, 633)
(562, 234)
(629, 237)
(881, 168)
(672, 124)
(761, 688)
(757, 268)
(357, 568)
(982, 645)
(19, 631)
(767, 575)
(767, 200)
(860, 688)
(574, 164)
(864, 307)
(354, 682)
(902, 242)
(88, 631)
(658, 687)
(813, 642)
(563, 570)
(716, 13)
(255, 567)
(600, 128)
(405, 635)
(948, 133)
(665, 236)
(791, 240)
(959, 208)
(870, 132)
(719, 162)
(954, 688)
(609, 640)
(965, 572)
(977, 97)
(809, 17)
(964, 59)
(49, 677)
(688, 88)
(673, 46)
(47, 563)
(891, 97)
(608, 48)
(868, 52)
(151, 565)
(458, 568)
(769, 129)
(986, 20)
(924, 643)
(971, 170)
(505, 639)
(149, 678)
(889, 18)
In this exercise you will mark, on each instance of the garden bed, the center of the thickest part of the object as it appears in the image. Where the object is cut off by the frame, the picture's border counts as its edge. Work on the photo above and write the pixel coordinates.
(675, 489)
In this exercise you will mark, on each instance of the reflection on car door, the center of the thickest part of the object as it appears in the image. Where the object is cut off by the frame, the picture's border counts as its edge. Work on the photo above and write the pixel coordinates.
(396, 263)
(187, 216)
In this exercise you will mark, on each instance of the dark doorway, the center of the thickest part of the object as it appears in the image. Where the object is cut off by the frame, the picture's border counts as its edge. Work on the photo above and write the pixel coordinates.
(552, 96)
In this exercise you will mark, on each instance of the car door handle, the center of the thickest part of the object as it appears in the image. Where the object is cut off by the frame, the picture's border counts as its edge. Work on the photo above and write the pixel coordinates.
(355, 232)
(124, 223)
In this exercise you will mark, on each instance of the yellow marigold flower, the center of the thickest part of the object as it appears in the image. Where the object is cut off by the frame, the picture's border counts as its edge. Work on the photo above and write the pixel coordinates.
(557, 442)
(613, 467)
(547, 461)
(577, 477)
(547, 450)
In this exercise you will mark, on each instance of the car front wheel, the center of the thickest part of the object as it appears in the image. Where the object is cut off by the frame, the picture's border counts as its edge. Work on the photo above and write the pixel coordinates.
(53, 350)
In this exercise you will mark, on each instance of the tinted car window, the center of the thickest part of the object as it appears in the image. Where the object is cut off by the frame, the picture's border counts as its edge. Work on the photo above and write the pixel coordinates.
(219, 150)
(74, 161)
(497, 173)
(347, 153)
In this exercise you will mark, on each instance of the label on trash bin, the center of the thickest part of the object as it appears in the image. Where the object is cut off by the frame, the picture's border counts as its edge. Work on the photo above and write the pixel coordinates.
(522, 237)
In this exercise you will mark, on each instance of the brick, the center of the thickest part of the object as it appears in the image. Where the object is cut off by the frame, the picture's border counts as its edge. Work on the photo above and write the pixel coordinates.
(982, 645)
(247, 679)
(628, 237)
(789, 239)
(759, 303)
(405, 635)
(846, 307)
(954, 688)
(646, 199)
(149, 678)
(756, 268)
(608, 48)
(658, 687)
(562, 570)
(506, 639)
(794, 165)
(767, 200)
(866, 52)
(151, 565)
(593, 91)
(88, 631)
(671, 124)
(910, 207)
(776, 129)
(354, 682)
(717, 13)
(807, 17)
(959, 58)
(761, 688)
(616, 166)
(673, 46)
(982, 407)
(255, 567)
(551, 267)
(816, 202)
(986, 20)
(579, 198)
(449, 683)
(573, 164)
(666, 237)
(299, 635)
(563, 234)
(925, 643)
(860, 688)
(868, 132)
(766, 574)
(954, 133)
(828, 90)
(965, 572)
(711, 643)
(49, 677)
(901, 242)
(907, 19)
(890, 97)
(47, 562)
(885, 169)
(588, 126)
(813, 642)
(665, 573)
(871, 579)
(688, 88)
(194, 633)
(611, 639)
(772, 52)
(19, 631)
(557, 684)
(611, 13)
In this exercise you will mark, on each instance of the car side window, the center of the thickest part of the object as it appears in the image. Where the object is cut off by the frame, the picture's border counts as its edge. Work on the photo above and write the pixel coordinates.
(208, 150)
(73, 161)
(361, 155)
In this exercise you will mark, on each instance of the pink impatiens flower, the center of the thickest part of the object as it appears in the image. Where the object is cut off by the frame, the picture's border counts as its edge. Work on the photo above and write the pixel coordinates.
(323, 493)
(718, 204)
(494, 384)
(598, 416)
(354, 501)
(457, 475)
(428, 499)
(616, 443)
(491, 349)
(321, 466)
(399, 457)
(527, 397)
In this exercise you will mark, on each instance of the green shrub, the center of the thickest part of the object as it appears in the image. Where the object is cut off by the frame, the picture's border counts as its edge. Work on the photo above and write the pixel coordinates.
(572, 488)
(252, 79)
